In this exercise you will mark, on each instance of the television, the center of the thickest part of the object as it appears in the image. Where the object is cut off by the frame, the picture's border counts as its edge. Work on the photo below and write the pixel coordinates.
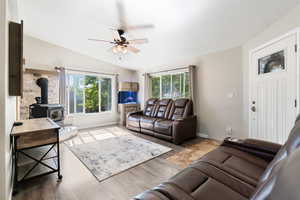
(127, 97)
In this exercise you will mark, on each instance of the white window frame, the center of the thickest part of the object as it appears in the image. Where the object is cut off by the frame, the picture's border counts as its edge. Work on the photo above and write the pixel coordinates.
(99, 76)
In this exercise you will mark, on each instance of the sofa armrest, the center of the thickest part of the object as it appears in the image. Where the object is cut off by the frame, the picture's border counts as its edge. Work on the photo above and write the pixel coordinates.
(183, 119)
(134, 113)
(264, 149)
(263, 145)
(184, 128)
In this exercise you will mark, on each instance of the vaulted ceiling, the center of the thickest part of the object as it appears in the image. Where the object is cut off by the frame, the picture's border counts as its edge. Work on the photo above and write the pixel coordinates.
(183, 28)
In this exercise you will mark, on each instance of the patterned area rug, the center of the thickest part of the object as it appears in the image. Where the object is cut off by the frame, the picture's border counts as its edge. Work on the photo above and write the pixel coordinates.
(192, 152)
(107, 154)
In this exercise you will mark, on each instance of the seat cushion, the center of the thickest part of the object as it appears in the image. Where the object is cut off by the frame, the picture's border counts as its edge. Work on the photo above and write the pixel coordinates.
(147, 122)
(134, 121)
(239, 164)
(163, 126)
(205, 182)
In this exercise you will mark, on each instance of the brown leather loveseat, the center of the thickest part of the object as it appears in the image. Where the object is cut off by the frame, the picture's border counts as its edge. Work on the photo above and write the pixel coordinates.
(238, 170)
(168, 119)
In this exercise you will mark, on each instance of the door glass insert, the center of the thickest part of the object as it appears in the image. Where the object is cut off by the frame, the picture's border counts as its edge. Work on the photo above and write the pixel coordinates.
(272, 63)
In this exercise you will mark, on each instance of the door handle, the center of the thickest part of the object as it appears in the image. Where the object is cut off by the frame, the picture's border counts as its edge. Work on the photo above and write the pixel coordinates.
(253, 108)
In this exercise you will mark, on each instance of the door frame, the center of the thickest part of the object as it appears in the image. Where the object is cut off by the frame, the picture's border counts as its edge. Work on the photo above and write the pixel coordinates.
(296, 32)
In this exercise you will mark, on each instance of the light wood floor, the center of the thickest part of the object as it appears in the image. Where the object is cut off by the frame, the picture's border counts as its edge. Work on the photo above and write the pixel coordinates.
(79, 184)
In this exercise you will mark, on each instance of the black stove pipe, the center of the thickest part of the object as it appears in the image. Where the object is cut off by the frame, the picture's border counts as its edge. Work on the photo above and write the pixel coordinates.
(43, 84)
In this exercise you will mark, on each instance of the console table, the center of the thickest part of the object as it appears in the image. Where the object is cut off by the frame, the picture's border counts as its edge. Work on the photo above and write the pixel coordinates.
(35, 133)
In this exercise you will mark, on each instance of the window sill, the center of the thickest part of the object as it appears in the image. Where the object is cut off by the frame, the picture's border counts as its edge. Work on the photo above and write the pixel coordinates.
(90, 114)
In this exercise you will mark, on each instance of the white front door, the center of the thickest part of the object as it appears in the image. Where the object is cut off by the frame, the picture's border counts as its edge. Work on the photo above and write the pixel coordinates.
(273, 90)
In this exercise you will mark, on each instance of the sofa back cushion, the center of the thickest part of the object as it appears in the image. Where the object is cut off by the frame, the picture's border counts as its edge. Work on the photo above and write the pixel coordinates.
(181, 108)
(292, 143)
(284, 182)
(163, 108)
(150, 107)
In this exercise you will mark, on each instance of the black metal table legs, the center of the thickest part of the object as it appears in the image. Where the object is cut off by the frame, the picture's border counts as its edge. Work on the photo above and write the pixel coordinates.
(38, 161)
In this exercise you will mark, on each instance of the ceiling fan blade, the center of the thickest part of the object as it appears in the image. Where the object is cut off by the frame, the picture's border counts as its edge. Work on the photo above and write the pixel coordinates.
(138, 41)
(122, 19)
(138, 27)
(98, 40)
(132, 49)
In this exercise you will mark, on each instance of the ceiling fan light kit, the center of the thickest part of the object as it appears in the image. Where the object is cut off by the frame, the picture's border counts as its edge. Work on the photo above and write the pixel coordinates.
(120, 49)
(124, 50)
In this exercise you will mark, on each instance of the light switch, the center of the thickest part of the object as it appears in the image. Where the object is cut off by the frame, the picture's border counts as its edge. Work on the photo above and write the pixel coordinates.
(230, 95)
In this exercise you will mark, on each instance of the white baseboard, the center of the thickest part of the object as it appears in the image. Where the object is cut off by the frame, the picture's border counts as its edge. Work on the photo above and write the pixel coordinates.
(203, 135)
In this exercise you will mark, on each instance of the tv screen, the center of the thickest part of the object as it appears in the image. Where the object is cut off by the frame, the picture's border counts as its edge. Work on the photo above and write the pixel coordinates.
(126, 97)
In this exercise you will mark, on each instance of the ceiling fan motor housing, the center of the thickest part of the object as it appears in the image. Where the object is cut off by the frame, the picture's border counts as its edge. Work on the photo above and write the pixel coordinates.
(121, 32)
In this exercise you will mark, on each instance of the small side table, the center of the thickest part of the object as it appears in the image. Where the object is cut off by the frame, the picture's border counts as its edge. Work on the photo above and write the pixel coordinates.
(31, 134)
(125, 109)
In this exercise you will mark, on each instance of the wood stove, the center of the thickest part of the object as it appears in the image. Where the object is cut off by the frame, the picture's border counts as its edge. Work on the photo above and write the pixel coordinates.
(41, 108)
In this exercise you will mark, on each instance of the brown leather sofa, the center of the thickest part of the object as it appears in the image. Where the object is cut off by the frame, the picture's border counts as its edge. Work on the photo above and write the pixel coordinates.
(238, 170)
(167, 119)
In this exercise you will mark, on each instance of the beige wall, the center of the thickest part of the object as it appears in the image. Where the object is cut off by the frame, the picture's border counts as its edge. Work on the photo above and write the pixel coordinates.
(218, 91)
(43, 55)
(8, 11)
(3, 65)
(280, 27)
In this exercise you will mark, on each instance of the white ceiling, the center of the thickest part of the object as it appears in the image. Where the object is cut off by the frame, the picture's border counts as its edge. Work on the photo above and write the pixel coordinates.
(183, 28)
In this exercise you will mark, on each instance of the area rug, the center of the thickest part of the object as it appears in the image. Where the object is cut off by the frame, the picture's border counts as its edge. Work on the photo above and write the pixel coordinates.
(112, 155)
(192, 152)
(67, 132)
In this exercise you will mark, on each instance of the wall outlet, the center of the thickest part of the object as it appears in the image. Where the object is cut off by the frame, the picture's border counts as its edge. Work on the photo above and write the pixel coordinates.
(228, 131)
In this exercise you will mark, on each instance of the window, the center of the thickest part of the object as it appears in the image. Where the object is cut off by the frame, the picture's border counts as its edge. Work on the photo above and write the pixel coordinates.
(186, 84)
(176, 86)
(272, 63)
(166, 86)
(89, 93)
(170, 86)
(155, 82)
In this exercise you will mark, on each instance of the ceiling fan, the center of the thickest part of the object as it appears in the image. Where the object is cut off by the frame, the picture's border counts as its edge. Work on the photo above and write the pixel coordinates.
(120, 43)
